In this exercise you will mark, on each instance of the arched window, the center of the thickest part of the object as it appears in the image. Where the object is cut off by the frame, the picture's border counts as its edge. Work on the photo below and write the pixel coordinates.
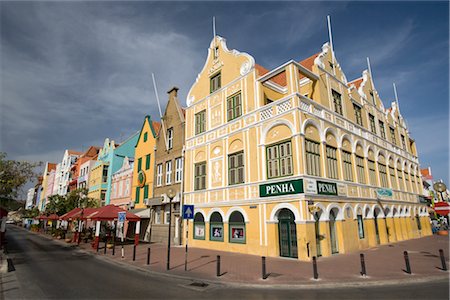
(236, 225)
(216, 227)
(199, 226)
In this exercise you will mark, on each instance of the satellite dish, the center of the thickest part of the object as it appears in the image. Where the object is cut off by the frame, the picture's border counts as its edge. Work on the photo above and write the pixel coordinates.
(440, 187)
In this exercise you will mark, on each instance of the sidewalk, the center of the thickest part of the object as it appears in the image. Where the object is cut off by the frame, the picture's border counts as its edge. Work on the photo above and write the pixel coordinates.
(384, 264)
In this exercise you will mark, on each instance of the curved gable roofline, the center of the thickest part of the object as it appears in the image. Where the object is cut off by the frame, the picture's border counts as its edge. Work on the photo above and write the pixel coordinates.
(221, 41)
(154, 127)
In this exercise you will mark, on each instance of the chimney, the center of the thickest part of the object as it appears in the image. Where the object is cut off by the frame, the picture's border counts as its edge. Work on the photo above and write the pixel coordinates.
(173, 92)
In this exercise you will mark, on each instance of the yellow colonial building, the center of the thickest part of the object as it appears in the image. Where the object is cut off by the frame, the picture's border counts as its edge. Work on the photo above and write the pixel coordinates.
(144, 164)
(296, 161)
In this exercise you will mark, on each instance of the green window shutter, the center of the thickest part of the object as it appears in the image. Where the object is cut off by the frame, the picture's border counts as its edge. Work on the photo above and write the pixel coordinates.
(145, 136)
(138, 192)
(146, 192)
(139, 164)
(147, 161)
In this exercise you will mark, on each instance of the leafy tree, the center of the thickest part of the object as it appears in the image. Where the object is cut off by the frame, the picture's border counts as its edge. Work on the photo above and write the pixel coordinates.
(60, 205)
(30, 213)
(14, 175)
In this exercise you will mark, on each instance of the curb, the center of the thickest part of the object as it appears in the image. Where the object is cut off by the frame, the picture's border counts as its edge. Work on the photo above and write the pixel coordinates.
(4, 263)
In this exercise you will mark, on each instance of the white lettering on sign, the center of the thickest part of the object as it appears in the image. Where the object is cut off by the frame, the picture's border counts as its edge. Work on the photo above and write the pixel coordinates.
(280, 188)
(327, 188)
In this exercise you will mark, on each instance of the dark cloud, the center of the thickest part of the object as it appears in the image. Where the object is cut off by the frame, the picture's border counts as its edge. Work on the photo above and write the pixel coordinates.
(74, 73)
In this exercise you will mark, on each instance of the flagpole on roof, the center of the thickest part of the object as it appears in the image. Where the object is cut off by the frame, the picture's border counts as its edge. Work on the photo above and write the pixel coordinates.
(370, 72)
(396, 96)
(160, 112)
(330, 36)
(214, 35)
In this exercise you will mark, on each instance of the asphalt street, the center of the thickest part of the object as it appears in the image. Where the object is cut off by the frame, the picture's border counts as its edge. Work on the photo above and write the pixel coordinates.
(44, 269)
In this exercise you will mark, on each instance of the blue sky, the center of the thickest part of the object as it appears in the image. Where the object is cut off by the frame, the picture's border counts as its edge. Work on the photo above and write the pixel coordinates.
(74, 73)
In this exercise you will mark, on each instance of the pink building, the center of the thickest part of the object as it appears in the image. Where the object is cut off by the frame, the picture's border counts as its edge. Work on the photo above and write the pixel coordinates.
(121, 184)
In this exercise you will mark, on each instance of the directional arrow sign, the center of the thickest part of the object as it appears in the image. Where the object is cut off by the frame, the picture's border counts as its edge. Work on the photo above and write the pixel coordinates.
(188, 212)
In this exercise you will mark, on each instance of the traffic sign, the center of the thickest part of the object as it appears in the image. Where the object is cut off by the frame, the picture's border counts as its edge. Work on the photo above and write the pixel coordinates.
(188, 212)
(122, 216)
(442, 208)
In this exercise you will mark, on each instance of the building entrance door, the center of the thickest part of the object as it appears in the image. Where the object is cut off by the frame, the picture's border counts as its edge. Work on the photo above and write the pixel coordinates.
(318, 238)
(287, 233)
(377, 232)
(333, 238)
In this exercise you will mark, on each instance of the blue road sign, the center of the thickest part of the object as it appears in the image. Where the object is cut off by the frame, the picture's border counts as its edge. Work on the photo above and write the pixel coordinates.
(122, 215)
(188, 212)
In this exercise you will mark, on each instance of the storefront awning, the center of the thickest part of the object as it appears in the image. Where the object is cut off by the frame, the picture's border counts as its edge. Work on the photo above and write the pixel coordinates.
(144, 213)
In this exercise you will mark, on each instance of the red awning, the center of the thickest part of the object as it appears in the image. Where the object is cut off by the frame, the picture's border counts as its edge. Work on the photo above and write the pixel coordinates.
(110, 213)
(53, 217)
(69, 215)
(82, 213)
(42, 217)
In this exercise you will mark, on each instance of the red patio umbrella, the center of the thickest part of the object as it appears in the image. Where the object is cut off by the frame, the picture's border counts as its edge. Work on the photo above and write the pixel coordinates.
(53, 217)
(69, 215)
(110, 213)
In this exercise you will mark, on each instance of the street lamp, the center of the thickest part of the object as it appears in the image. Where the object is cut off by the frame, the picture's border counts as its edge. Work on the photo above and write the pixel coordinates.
(171, 195)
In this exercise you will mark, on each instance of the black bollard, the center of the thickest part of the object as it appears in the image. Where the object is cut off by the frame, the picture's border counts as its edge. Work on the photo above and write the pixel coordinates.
(263, 260)
(114, 247)
(134, 252)
(408, 267)
(148, 256)
(315, 274)
(441, 254)
(104, 250)
(218, 266)
(363, 265)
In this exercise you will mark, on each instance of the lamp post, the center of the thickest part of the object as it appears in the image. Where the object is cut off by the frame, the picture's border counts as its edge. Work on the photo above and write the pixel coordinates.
(171, 195)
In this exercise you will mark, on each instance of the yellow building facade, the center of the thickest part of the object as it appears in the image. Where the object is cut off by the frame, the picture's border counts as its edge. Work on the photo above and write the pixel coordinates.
(144, 163)
(296, 161)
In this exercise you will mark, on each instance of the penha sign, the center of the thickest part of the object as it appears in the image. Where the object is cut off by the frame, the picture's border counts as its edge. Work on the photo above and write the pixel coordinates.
(281, 188)
(327, 188)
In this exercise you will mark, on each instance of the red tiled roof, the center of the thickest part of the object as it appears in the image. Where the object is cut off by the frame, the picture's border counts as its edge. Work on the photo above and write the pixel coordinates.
(261, 70)
(357, 82)
(73, 152)
(51, 166)
(156, 126)
(309, 62)
(426, 173)
(279, 79)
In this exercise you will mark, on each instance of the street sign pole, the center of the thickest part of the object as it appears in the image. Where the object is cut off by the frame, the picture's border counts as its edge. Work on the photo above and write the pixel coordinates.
(187, 239)
(188, 213)
(121, 217)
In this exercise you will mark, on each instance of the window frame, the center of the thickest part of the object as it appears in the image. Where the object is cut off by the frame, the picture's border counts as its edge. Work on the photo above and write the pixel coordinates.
(373, 128)
(382, 131)
(215, 82)
(278, 159)
(358, 114)
(233, 106)
(170, 138)
(347, 165)
(332, 162)
(361, 169)
(315, 158)
(337, 100)
(178, 169)
(236, 168)
(168, 172)
(200, 122)
(159, 174)
(199, 177)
